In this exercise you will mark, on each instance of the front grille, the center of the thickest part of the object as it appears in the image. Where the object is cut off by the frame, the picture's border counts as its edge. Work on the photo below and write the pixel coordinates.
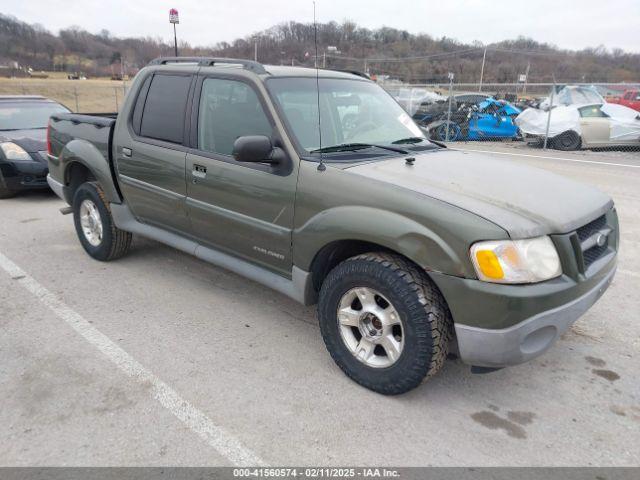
(588, 236)
(593, 254)
(590, 228)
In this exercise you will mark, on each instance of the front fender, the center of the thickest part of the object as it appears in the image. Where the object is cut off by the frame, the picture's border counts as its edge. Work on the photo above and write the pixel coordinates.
(391, 230)
(85, 153)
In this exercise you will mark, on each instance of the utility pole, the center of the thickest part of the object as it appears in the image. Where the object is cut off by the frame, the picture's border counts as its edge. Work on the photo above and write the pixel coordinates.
(255, 51)
(324, 59)
(484, 57)
(173, 18)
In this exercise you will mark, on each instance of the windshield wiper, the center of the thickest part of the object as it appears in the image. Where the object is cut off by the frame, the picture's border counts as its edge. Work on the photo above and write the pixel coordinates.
(352, 147)
(411, 140)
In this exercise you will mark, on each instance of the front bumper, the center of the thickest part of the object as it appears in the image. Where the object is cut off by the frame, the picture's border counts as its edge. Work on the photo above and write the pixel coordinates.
(500, 324)
(526, 340)
(24, 175)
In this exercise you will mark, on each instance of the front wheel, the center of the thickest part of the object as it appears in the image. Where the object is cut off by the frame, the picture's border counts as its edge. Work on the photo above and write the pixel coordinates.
(566, 141)
(96, 231)
(384, 322)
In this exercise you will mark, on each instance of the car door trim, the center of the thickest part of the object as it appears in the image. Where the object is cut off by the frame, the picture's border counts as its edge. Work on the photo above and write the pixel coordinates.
(148, 187)
(238, 217)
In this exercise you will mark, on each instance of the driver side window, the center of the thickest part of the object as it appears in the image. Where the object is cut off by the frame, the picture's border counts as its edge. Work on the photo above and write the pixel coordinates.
(229, 109)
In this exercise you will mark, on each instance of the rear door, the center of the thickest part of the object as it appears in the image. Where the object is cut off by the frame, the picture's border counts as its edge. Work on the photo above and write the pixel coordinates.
(151, 161)
(243, 209)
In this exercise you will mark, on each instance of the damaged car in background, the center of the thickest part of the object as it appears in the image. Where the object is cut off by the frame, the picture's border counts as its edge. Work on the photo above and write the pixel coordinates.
(489, 119)
(23, 142)
(578, 117)
(431, 108)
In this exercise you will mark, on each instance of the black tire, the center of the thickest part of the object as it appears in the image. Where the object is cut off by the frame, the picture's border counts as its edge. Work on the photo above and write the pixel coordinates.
(567, 141)
(4, 191)
(426, 320)
(115, 242)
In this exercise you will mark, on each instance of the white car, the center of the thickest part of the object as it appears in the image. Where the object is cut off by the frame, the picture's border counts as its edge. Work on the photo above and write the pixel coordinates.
(576, 126)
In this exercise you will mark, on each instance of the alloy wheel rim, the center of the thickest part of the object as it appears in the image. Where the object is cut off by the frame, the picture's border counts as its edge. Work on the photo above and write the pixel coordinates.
(91, 222)
(370, 327)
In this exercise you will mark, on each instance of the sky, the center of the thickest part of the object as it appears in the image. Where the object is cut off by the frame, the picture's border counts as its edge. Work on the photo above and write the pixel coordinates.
(573, 24)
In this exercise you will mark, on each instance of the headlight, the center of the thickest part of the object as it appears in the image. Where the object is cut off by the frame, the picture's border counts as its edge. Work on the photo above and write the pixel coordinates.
(14, 152)
(516, 261)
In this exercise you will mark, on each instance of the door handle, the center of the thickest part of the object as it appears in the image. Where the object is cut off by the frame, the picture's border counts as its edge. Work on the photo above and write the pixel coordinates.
(199, 171)
(126, 152)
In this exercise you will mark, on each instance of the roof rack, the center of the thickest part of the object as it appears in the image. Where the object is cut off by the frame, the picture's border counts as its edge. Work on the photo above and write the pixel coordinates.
(255, 67)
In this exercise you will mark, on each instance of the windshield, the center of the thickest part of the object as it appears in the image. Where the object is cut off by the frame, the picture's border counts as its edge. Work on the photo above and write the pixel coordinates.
(351, 112)
(25, 116)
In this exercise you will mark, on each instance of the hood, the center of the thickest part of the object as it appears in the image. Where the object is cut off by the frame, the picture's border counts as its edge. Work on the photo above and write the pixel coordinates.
(32, 140)
(525, 201)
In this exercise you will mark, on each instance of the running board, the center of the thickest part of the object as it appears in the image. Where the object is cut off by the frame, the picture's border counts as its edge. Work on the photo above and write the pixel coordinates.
(299, 287)
(66, 210)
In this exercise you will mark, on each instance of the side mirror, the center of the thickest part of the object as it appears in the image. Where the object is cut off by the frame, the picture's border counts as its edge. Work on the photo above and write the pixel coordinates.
(253, 148)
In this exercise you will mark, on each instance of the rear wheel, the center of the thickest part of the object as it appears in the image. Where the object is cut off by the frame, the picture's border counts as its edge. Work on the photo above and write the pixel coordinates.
(96, 231)
(569, 140)
(383, 322)
(5, 192)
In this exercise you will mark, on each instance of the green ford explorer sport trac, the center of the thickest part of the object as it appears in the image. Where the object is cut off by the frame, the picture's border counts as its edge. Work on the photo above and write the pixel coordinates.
(318, 185)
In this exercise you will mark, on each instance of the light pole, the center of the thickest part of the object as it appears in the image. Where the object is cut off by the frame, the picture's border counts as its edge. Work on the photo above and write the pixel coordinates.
(173, 18)
(484, 57)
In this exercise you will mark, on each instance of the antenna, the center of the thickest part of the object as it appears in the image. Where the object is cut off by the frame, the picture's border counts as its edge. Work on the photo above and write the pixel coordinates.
(321, 165)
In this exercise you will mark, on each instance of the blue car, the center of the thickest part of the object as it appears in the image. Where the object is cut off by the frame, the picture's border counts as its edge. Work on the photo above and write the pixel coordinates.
(487, 120)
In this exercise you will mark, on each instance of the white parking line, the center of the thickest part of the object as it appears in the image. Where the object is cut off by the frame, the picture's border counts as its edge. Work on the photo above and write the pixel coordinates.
(629, 272)
(225, 444)
(548, 157)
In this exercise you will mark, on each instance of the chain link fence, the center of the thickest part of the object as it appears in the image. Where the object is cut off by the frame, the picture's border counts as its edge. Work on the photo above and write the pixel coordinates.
(602, 117)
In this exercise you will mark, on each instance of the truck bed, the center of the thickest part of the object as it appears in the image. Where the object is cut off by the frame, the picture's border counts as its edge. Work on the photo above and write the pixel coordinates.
(96, 128)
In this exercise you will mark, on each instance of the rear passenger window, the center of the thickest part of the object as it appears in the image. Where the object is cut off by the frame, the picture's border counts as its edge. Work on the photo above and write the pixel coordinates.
(228, 109)
(164, 109)
(136, 118)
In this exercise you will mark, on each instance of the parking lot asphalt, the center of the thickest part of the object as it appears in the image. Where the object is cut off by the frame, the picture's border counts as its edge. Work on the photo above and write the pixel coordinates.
(162, 359)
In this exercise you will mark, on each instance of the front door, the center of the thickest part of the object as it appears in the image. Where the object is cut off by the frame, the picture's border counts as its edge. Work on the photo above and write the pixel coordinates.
(243, 209)
(595, 125)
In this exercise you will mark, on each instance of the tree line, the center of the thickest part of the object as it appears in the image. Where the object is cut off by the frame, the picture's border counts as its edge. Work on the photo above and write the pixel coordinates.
(382, 51)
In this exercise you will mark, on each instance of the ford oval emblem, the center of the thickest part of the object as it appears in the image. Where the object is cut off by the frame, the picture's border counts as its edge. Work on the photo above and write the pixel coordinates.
(601, 240)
